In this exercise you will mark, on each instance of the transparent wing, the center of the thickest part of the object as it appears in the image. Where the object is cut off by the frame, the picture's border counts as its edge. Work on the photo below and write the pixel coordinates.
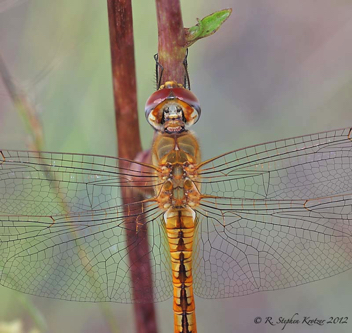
(63, 227)
(277, 215)
(46, 183)
(273, 216)
(303, 167)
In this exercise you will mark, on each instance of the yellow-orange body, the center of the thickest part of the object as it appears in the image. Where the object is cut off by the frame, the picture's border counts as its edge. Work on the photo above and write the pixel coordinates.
(176, 155)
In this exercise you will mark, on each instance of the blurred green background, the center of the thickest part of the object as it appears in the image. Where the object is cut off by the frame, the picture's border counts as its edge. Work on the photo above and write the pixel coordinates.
(275, 69)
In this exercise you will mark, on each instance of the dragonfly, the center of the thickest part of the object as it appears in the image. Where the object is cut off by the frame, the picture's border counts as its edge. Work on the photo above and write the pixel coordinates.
(266, 217)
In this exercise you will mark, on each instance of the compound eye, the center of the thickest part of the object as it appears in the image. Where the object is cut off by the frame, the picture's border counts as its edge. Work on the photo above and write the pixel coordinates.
(155, 111)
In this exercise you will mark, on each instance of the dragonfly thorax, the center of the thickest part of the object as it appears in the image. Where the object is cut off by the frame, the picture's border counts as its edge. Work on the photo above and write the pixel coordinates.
(177, 156)
(179, 189)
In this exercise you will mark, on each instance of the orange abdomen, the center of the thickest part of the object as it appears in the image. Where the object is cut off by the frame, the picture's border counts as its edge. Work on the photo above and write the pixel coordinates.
(180, 225)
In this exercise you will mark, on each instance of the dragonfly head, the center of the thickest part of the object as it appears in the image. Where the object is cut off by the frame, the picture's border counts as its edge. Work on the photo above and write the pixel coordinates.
(172, 109)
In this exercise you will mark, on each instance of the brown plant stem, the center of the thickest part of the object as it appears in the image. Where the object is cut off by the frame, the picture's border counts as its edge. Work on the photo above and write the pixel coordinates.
(171, 40)
(129, 145)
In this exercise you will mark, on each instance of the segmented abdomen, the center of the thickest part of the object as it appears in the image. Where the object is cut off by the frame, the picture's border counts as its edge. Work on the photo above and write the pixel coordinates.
(180, 225)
